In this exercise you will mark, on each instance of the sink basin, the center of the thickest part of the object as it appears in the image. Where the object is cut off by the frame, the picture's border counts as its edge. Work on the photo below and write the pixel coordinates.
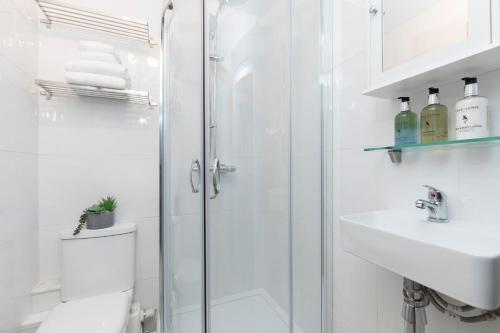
(459, 259)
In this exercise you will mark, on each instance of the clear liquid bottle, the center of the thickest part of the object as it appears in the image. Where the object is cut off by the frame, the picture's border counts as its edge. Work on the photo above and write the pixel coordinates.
(434, 120)
(405, 124)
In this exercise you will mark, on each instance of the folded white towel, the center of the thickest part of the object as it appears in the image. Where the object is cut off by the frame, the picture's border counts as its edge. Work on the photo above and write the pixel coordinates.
(96, 80)
(97, 67)
(101, 56)
(91, 46)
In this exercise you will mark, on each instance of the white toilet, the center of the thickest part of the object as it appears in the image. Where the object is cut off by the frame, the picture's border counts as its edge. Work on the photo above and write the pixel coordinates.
(98, 272)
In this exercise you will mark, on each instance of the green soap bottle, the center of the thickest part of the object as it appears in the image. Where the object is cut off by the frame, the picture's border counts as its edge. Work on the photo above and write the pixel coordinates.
(405, 125)
(434, 120)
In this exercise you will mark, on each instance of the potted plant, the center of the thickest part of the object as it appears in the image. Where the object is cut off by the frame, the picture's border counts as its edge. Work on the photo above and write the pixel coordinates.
(98, 216)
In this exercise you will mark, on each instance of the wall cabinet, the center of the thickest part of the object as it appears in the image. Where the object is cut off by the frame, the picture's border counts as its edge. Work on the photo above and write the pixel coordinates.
(416, 44)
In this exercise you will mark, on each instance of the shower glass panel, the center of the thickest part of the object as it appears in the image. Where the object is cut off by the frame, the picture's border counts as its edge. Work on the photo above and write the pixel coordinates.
(248, 180)
(242, 172)
(182, 202)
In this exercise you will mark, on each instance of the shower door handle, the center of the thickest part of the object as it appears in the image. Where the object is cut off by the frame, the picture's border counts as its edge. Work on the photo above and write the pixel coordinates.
(216, 178)
(195, 169)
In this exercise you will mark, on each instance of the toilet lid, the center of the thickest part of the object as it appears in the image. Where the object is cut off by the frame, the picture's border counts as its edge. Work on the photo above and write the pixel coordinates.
(101, 314)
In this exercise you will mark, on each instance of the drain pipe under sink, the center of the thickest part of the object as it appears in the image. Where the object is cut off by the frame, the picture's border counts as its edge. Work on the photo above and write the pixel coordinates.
(413, 311)
(417, 297)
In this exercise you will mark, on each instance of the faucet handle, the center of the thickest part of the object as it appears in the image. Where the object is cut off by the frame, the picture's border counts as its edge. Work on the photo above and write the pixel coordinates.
(435, 195)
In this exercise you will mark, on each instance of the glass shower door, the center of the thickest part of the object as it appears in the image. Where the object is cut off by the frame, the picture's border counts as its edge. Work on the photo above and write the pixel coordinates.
(242, 167)
(247, 144)
(182, 167)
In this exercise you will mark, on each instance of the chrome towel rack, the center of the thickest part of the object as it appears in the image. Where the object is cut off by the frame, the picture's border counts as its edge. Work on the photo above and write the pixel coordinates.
(59, 12)
(52, 88)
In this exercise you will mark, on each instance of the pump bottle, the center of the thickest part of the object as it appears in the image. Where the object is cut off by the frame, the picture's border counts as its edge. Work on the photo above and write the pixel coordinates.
(434, 119)
(471, 115)
(405, 124)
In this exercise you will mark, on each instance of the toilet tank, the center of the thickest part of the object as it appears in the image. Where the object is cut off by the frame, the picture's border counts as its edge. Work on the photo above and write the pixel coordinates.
(97, 262)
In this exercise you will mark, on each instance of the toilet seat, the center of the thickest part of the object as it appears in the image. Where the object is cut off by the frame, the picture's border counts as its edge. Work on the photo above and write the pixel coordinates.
(100, 314)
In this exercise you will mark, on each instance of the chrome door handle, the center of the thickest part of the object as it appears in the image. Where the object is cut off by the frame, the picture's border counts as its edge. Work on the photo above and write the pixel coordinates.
(195, 169)
(224, 168)
(227, 168)
(216, 178)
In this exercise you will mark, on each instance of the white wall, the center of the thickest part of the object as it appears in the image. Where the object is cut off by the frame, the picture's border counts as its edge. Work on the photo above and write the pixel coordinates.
(18, 160)
(367, 298)
(90, 148)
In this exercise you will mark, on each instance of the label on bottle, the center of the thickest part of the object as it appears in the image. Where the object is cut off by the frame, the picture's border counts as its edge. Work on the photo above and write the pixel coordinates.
(405, 136)
(434, 124)
(406, 128)
(472, 118)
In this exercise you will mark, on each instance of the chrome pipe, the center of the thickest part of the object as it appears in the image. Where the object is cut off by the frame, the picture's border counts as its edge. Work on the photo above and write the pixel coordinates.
(413, 311)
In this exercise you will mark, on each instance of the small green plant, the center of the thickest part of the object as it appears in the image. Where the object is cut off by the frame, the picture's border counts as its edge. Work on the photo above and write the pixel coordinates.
(107, 204)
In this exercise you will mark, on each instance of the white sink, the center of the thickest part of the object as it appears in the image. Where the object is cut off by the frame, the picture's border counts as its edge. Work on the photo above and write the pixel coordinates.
(459, 259)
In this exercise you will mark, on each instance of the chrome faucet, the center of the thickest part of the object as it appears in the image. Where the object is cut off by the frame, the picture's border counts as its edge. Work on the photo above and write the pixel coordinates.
(437, 206)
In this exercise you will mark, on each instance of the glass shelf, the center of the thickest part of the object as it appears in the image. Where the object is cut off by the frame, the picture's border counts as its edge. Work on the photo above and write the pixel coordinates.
(395, 151)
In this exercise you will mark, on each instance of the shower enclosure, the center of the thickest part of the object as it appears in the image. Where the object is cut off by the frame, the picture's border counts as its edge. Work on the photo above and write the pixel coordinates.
(242, 167)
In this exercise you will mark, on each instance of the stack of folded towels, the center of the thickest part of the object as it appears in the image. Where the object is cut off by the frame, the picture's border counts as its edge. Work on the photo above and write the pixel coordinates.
(98, 66)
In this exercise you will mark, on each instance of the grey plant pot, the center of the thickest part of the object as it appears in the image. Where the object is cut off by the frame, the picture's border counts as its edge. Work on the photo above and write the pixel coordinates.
(100, 221)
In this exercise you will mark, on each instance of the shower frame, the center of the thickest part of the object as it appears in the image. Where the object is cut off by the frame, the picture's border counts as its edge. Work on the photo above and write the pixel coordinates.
(164, 175)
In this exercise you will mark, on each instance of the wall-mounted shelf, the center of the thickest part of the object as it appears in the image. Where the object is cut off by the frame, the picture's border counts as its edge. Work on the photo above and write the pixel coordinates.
(59, 12)
(51, 88)
(395, 152)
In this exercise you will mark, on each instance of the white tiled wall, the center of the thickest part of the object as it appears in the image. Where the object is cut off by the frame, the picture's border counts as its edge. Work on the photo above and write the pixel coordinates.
(90, 148)
(367, 298)
(18, 160)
